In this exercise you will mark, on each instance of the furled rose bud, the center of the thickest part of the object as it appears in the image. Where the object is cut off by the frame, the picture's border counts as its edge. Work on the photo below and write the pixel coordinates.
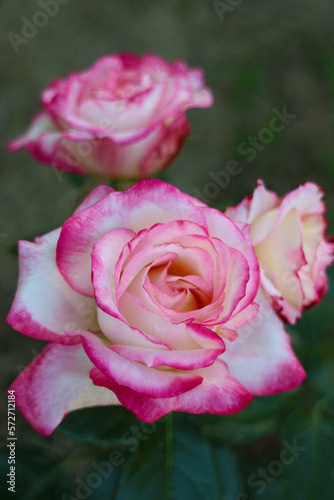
(123, 118)
(143, 294)
(288, 235)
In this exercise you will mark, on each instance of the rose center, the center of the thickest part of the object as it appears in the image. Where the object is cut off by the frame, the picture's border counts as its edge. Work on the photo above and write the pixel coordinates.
(176, 286)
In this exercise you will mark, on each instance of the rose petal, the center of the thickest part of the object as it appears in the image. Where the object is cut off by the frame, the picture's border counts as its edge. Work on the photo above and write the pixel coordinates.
(148, 381)
(46, 142)
(45, 306)
(221, 227)
(220, 393)
(154, 202)
(262, 359)
(55, 383)
(252, 206)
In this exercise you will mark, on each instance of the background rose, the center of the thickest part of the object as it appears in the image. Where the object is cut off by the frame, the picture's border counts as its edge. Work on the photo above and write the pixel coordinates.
(122, 118)
(289, 240)
(136, 292)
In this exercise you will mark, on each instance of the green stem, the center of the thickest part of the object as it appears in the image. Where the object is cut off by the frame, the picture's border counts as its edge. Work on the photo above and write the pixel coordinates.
(169, 456)
(315, 415)
(122, 185)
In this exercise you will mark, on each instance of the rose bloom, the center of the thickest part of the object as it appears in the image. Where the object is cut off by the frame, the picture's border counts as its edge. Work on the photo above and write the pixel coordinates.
(147, 297)
(123, 118)
(288, 235)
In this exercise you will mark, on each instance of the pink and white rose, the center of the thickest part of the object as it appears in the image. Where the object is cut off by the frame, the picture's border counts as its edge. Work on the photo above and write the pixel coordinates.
(147, 299)
(123, 118)
(288, 235)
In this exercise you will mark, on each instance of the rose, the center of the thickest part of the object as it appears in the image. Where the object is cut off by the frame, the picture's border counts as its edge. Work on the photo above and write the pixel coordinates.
(288, 235)
(122, 118)
(139, 292)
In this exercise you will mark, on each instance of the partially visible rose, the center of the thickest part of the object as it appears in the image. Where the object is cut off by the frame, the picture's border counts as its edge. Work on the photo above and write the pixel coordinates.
(143, 294)
(288, 235)
(123, 118)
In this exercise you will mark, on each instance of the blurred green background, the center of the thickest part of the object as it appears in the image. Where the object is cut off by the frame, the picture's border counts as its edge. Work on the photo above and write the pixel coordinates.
(262, 55)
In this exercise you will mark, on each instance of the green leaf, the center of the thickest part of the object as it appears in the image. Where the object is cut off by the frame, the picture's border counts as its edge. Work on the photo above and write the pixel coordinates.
(231, 431)
(266, 407)
(38, 474)
(200, 470)
(312, 472)
(104, 425)
(299, 466)
(258, 419)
